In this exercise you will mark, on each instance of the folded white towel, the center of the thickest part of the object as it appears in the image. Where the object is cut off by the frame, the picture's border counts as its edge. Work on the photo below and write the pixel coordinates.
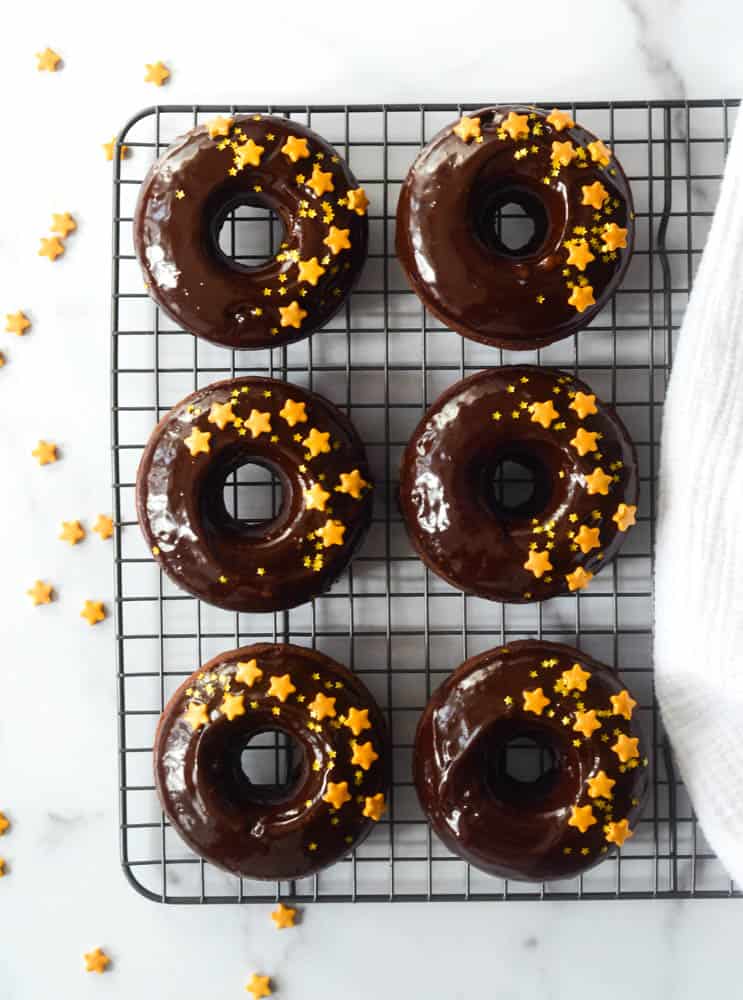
(699, 553)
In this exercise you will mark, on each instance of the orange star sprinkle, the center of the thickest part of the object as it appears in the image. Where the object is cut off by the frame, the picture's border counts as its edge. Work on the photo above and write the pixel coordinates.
(598, 482)
(51, 247)
(196, 715)
(258, 423)
(293, 413)
(584, 405)
(543, 413)
(248, 673)
(624, 516)
(337, 240)
(322, 707)
(295, 149)
(45, 453)
(617, 833)
(582, 818)
(337, 794)
(560, 119)
(535, 701)
(221, 414)
(317, 442)
(575, 679)
(579, 255)
(321, 181)
(357, 720)
(41, 593)
(63, 224)
(310, 271)
(198, 441)
(467, 128)
(283, 917)
(357, 201)
(517, 126)
(48, 60)
(601, 786)
(316, 497)
(103, 527)
(578, 579)
(281, 687)
(96, 961)
(249, 154)
(259, 986)
(3, 862)
(623, 704)
(374, 807)
(538, 563)
(584, 441)
(594, 194)
(331, 533)
(93, 612)
(600, 153)
(232, 705)
(219, 126)
(586, 723)
(351, 483)
(563, 153)
(72, 532)
(4, 824)
(364, 754)
(292, 315)
(614, 237)
(17, 323)
(108, 148)
(157, 73)
(626, 747)
(587, 538)
(582, 298)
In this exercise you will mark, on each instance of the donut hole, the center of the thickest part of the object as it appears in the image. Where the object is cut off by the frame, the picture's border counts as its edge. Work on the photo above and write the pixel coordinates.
(247, 231)
(516, 485)
(272, 764)
(253, 494)
(510, 220)
(522, 764)
(246, 496)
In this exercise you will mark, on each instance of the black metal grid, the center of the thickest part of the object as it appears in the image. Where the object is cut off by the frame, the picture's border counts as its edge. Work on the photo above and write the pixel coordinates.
(383, 360)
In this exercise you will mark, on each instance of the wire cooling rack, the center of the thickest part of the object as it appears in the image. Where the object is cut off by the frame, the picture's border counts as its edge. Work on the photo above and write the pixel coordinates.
(383, 360)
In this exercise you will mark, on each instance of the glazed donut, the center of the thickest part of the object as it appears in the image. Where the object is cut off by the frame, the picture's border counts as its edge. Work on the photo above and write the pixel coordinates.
(320, 462)
(261, 161)
(563, 178)
(572, 709)
(335, 792)
(583, 499)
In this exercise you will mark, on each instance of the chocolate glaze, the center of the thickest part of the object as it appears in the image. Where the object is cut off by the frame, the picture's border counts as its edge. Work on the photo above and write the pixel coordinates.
(252, 830)
(447, 242)
(504, 826)
(225, 561)
(448, 501)
(176, 237)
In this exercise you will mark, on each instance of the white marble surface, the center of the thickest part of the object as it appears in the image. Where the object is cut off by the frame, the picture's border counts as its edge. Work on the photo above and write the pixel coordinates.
(64, 893)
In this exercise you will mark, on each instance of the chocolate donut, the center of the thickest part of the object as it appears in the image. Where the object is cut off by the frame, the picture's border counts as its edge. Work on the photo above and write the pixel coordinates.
(261, 161)
(565, 706)
(320, 462)
(335, 791)
(448, 226)
(584, 484)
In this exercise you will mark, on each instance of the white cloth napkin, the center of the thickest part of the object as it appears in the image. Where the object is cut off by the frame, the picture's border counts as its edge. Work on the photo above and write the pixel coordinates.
(699, 551)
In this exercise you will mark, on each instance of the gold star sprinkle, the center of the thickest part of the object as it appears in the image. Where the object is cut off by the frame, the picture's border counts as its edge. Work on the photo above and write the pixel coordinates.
(317, 442)
(614, 238)
(626, 747)
(357, 201)
(322, 707)
(467, 128)
(283, 917)
(52, 248)
(331, 533)
(93, 612)
(538, 563)
(584, 405)
(232, 705)
(103, 527)
(249, 154)
(579, 254)
(582, 298)
(316, 497)
(108, 148)
(156, 73)
(351, 483)
(281, 687)
(374, 807)
(72, 532)
(582, 818)
(594, 194)
(219, 126)
(41, 593)
(535, 701)
(575, 679)
(17, 323)
(45, 453)
(292, 315)
(560, 120)
(624, 516)
(598, 482)
(600, 153)
(221, 414)
(517, 126)
(623, 704)
(337, 240)
(601, 786)
(578, 579)
(364, 754)
(321, 181)
(63, 224)
(357, 720)
(586, 723)
(617, 833)
(258, 423)
(198, 441)
(310, 271)
(96, 961)
(543, 413)
(293, 413)
(259, 986)
(248, 673)
(48, 60)
(587, 538)
(563, 153)
(337, 794)
(4, 824)
(196, 715)
(295, 148)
